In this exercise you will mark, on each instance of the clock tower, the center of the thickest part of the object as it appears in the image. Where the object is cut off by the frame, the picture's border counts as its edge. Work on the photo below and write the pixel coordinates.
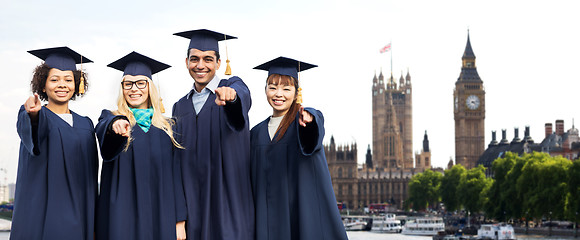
(469, 111)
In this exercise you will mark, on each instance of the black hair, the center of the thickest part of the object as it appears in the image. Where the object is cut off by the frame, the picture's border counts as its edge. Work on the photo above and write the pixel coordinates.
(40, 75)
(217, 54)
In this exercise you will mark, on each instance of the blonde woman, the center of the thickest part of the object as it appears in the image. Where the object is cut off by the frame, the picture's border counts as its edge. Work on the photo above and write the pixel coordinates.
(141, 194)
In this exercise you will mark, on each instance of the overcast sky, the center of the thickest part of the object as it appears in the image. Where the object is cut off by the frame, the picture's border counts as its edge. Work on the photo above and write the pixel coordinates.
(527, 56)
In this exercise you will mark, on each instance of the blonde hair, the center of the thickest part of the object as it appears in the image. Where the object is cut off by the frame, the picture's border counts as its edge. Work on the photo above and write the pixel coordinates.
(158, 120)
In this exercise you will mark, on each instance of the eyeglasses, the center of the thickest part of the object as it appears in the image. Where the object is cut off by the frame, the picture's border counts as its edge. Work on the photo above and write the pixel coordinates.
(127, 85)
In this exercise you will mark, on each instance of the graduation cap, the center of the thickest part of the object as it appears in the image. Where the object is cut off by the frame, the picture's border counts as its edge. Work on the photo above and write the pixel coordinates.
(207, 40)
(285, 66)
(135, 63)
(203, 39)
(288, 67)
(64, 59)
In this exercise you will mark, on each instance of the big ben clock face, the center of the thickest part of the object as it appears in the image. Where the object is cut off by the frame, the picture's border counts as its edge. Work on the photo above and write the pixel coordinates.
(472, 102)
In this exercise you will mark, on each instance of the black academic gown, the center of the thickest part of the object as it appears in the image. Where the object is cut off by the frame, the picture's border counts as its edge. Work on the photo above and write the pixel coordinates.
(141, 194)
(216, 166)
(293, 193)
(56, 186)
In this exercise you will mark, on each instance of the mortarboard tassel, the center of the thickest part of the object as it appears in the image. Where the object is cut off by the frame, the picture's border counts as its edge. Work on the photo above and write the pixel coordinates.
(299, 91)
(299, 96)
(162, 108)
(228, 68)
(82, 83)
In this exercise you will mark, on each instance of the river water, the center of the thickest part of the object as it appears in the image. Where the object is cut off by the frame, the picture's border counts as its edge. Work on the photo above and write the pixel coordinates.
(362, 235)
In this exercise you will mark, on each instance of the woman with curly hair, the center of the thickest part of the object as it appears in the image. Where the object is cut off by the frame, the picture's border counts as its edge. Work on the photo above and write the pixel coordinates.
(56, 186)
(141, 194)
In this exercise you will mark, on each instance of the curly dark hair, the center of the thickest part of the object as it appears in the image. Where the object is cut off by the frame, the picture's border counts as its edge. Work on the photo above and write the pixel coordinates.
(41, 75)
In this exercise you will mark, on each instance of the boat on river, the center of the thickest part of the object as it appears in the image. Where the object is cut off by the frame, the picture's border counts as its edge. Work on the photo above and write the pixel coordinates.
(427, 226)
(386, 223)
(499, 231)
(356, 223)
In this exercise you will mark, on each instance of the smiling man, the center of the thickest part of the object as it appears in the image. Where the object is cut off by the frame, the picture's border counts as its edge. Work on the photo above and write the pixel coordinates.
(212, 125)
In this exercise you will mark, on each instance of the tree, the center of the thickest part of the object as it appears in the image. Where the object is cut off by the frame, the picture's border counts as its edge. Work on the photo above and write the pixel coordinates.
(470, 190)
(573, 197)
(448, 189)
(494, 203)
(510, 196)
(544, 184)
(424, 189)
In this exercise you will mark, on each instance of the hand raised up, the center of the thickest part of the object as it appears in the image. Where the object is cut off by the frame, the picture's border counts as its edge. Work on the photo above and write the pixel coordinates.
(224, 95)
(304, 117)
(122, 127)
(32, 104)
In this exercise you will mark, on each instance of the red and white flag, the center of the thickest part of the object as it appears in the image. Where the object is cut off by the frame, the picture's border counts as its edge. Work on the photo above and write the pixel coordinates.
(386, 48)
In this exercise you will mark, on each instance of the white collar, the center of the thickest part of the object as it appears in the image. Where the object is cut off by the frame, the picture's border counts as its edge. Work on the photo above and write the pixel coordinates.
(212, 85)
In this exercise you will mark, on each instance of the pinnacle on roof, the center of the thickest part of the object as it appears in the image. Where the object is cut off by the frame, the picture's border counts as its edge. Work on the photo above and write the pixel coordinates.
(402, 79)
(468, 53)
(425, 143)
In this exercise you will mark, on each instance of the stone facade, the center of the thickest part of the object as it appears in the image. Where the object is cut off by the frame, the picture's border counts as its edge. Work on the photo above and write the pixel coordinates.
(469, 112)
(357, 187)
(392, 106)
(423, 158)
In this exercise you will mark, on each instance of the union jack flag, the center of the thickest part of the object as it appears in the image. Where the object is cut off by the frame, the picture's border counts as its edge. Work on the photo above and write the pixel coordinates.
(386, 48)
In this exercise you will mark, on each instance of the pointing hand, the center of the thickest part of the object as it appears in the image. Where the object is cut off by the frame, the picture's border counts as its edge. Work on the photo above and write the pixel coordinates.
(32, 104)
(224, 94)
(305, 117)
(122, 127)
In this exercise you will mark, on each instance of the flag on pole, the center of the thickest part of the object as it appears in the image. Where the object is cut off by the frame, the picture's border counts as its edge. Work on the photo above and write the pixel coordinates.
(386, 48)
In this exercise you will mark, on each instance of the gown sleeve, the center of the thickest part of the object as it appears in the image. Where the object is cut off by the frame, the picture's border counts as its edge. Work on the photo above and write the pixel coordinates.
(111, 143)
(310, 137)
(178, 191)
(32, 134)
(237, 111)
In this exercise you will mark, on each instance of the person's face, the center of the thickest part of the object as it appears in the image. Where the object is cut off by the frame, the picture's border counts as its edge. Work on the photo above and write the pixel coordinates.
(136, 91)
(280, 97)
(60, 86)
(202, 65)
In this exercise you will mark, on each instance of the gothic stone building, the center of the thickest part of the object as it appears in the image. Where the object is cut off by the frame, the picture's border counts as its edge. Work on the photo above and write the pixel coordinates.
(392, 123)
(357, 187)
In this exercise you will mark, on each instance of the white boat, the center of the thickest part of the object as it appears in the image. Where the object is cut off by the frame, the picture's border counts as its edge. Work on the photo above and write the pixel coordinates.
(428, 226)
(386, 223)
(355, 223)
(496, 231)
